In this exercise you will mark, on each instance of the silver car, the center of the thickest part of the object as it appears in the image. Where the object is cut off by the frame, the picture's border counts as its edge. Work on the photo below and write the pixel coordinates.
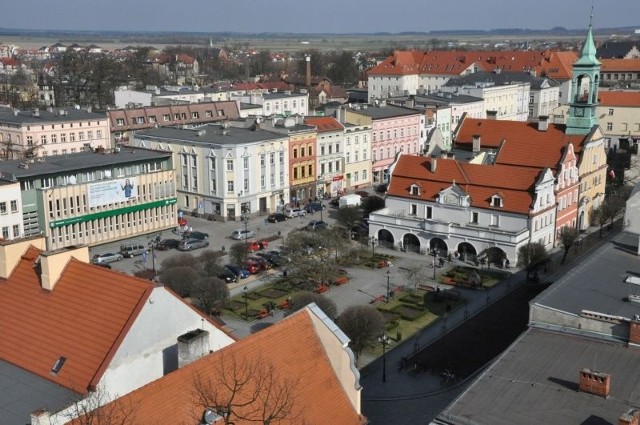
(191, 244)
(107, 257)
(242, 234)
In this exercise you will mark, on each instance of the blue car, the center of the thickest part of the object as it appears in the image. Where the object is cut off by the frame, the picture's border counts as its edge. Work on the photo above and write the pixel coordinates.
(237, 271)
(313, 207)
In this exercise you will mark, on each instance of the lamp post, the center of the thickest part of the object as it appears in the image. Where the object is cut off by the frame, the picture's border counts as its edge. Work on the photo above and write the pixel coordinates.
(373, 251)
(388, 278)
(384, 340)
(245, 293)
(435, 260)
(245, 220)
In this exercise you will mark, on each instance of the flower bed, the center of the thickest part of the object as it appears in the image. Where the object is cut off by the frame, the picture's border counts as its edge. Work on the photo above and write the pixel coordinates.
(273, 293)
(409, 312)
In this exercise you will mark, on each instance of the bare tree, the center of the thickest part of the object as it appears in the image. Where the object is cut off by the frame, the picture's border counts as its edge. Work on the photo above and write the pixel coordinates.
(568, 238)
(531, 255)
(99, 408)
(413, 275)
(599, 216)
(362, 324)
(247, 389)
(238, 253)
(209, 294)
(301, 299)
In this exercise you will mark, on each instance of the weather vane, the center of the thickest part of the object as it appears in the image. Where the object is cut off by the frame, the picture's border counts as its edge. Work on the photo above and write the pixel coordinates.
(591, 16)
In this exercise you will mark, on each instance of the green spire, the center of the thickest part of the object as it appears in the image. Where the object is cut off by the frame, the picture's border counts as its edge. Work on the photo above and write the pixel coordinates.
(588, 52)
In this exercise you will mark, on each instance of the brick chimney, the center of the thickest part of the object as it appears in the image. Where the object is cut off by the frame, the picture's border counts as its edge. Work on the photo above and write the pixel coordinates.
(12, 251)
(596, 383)
(52, 263)
(631, 417)
(192, 346)
(634, 332)
(543, 123)
(492, 115)
(475, 143)
(308, 79)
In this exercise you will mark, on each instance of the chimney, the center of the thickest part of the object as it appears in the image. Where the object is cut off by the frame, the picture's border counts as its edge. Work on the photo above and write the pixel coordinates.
(52, 263)
(543, 123)
(433, 165)
(492, 115)
(596, 383)
(192, 346)
(12, 251)
(476, 143)
(634, 332)
(308, 79)
(631, 417)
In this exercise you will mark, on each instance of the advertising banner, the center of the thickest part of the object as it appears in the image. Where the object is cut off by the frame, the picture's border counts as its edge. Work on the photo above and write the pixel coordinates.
(112, 191)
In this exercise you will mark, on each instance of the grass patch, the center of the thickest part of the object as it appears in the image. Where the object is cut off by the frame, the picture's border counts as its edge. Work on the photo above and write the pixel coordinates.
(409, 312)
(464, 276)
(273, 293)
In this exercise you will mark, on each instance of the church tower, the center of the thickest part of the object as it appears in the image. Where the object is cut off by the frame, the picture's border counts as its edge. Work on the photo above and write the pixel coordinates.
(584, 89)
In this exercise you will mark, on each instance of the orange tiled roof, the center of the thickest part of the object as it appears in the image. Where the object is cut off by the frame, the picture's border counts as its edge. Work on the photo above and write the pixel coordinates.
(553, 64)
(515, 184)
(295, 350)
(84, 319)
(619, 98)
(519, 143)
(324, 124)
(626, 65)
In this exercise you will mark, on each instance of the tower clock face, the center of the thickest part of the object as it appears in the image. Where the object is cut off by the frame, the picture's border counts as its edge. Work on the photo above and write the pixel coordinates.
(579, 112)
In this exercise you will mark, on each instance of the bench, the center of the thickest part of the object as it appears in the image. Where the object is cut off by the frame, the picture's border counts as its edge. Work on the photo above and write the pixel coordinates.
(377, 299)
(426, 288)
(322, 288)
(341, 280)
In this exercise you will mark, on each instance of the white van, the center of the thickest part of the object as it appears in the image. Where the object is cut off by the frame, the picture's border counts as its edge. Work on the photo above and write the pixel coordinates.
(353, 200)
(130, 250)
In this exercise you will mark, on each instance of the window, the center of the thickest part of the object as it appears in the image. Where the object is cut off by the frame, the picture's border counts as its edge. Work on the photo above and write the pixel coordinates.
(310, 170)
(5, 232)
(29, 140)
(263, 183)
(152, 119)
(272, 158)
(72, 137)
(415, 190)
(230, 186)
(322, 150)
(474, 217)
(496, 201)
(16, 230)
(429, 213)
(356, 176)
(229, 164)
(166, 117)
(43, 139)
(89, 135)
(195, 115)
(81, 135)
(609, 126)
(301, 151)
(262, 160)
(119, 121)
(610, 111)
(3, 207)
(63, 137)
(245, 163)
(495, 220)
(348, 157)
(281, 157)
(413, 209)
(295, 153)
(531, 99)
(246, 184)
(14, 206)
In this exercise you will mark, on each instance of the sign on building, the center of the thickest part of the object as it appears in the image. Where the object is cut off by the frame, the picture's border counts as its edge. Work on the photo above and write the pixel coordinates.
(112, 191)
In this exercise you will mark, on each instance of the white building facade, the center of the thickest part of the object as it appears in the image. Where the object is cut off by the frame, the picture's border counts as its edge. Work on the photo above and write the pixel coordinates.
(11, 226)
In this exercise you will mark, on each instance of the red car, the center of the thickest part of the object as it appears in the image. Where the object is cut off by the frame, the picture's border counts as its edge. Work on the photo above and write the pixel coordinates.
(253, 246)
(252, 267)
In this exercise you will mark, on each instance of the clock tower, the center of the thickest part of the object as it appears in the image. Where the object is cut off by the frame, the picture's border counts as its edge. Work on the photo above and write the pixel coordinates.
(584, 89)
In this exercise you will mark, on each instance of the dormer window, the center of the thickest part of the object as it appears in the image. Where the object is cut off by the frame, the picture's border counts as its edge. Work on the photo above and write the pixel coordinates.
(496, 201)
(414, 190)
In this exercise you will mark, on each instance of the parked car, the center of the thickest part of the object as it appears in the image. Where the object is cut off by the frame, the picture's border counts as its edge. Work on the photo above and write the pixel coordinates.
(295, 212)
(276, 218)
(237, 270)
(362, 193)
(253, 246)
(314, 206)
(227, 275)
(105, 265)
(252, 267)
(167, 244)
(317, 225)
(197, 235)
(263, 262)
(273, 259)
(107, 257)
(242, 234)
(191, 244)
(129, 250)
(334, 202)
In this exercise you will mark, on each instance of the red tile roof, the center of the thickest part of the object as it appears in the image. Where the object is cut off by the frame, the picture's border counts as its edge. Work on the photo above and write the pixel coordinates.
(613, 65)
(553, 64)
(519, 143)
(296, 352)
(84, 319)
(515, 184)
(619, 98)
(324, 124)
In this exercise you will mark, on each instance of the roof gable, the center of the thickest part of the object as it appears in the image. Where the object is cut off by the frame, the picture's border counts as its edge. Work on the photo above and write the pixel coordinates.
(84, 319)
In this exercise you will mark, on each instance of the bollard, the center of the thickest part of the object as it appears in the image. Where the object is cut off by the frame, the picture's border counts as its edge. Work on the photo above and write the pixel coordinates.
(398, 336)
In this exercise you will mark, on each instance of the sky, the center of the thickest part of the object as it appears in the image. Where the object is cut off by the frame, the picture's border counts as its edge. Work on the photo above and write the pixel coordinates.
(305, 16)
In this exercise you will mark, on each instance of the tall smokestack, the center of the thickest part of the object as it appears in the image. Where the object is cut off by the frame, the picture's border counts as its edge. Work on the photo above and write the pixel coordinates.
(308, 59)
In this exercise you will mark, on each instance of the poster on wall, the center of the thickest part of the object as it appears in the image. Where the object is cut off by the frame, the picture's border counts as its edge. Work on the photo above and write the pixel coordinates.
(112, 191)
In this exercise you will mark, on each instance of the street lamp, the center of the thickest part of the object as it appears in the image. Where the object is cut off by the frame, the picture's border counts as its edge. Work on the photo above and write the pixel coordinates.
(373, 251)
(384, 340)
(245, 293)
(435, 259)
(388, 278)
(245, 220)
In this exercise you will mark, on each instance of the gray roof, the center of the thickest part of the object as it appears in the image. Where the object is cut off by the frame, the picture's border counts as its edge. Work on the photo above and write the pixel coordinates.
(597, 282)
(497, 78)
(386, 111)
(22, 393)
(446, 98)
(282, 95)
(535, 381)
(210, 134)
(81, 161)
(8, 115)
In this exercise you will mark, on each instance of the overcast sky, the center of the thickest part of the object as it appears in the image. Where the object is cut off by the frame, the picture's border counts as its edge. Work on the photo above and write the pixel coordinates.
(305, 16)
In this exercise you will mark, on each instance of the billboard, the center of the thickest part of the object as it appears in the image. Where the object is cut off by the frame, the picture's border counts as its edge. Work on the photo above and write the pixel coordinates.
(112, 191)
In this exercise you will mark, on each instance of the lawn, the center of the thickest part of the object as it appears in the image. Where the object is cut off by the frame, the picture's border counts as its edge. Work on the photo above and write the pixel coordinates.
(473, 277)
